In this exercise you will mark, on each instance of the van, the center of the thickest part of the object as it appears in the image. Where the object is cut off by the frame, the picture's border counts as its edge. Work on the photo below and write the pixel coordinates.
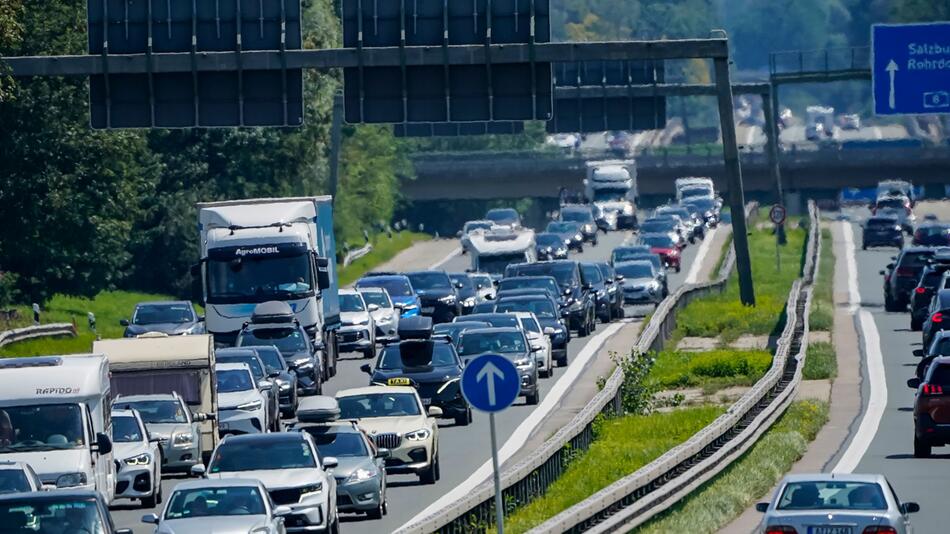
(55, 415)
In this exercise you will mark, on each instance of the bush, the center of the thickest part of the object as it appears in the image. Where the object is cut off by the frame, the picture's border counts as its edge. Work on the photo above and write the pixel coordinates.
(9, 294)
(636, 393)
(722, 368)
(820, 361)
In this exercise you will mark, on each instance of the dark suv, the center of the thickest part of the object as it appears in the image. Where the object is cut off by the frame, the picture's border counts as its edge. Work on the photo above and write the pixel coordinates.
(882, 231)
(437, 294)
(931, 279)
(580, 309)
(938, 316)
(901, 276)
(932, 407)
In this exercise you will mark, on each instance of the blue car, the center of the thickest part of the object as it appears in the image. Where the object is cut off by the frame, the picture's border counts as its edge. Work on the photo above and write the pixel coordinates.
(399, 288)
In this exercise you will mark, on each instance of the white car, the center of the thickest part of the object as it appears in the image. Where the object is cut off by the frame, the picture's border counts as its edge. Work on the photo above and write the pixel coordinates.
(395, 419)
(292, 471)
(358, 333)
(227, 505)
(539, 342)
(242, 407)
(472, 227)
(18, 477)
(138, 458)
(386, 316)
(484, 286)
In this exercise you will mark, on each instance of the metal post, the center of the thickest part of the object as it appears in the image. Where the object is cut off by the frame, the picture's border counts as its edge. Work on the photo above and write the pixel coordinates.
(499, 509)
(336, 125)
(771, 112)
(730, 149)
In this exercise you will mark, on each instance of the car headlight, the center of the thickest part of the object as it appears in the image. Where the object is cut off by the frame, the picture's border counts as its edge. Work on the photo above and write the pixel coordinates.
(469, 302)
(183, 439)
(251, 406)
(142, 459)
(418, 435)
(524, 363)
(313, 488)
(303, 364)
(70, 480)
(578, 237)
(898, 228)
(448, 299)
(360, 475)
(588, 228)
(627, 209)
(567, 241)
(284, 386)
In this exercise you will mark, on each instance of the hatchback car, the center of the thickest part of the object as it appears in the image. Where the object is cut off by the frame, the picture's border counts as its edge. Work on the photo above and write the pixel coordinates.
(510, 343)
(242, 407)
(932, 407)
(358, 333)
(666, 247)
(932, 234)
(902, 274)
(138, 457)
(938, 316)
(546, 313)
(438, 295)
(882, 231)
(932, 278)
(940, 346)
(266, 384)
(569, 232)
(168, 317)
(550, 246)
(833, 503)
(641, 284)
(235, 504)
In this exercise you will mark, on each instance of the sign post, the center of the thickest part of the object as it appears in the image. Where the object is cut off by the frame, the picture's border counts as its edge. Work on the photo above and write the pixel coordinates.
(910, 68)
(490, 383)
(777, 216)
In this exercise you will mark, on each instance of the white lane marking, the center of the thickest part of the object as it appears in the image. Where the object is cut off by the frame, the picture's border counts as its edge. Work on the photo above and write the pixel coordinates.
(871, 341)
(518, 438)
(700, 256)
(878, 135)
(448, 257)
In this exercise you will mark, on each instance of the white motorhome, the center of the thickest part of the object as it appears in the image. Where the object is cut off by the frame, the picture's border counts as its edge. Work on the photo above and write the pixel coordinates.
(493, 251)
(159, 364)
(611, 185)
(55, 414)
(694, 186)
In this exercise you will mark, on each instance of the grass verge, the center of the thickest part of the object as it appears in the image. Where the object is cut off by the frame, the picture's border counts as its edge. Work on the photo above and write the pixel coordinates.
(821, 316)
(712, 370)
(820, 362)
(722, 258)
(108, 306)
(384, 249)
(622, 446)
(726, 496)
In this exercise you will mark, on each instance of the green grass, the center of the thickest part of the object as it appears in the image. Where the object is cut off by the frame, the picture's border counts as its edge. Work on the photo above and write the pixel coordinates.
(622, 446)
(722, 258)
(723, 315)
(821, 316)
(715, 369)
(820, 362)
(748, 479)
(109, 307)
(384, 249)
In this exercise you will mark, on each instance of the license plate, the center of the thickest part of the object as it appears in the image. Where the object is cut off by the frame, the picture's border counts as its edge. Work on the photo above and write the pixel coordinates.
(426, 402)
(428, 309)
(830, 530)
(398, 381)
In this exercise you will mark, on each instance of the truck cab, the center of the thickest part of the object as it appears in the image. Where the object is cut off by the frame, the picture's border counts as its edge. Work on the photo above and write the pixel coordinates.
(612, 187)
(493, 251)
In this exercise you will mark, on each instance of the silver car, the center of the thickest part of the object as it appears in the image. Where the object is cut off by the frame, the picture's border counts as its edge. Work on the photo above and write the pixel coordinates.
(168, 418)
(227, 505)
(831, 503)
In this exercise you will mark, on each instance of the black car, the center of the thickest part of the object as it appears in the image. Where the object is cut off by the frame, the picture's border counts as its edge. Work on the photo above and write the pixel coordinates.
(282, 374)
(550, 247)
(504, 217)
(285, 333)
(707, 207)
(940, 346)
(510, 343)
(438, 295)
(931, 279)
(541, 283)
(465, 288)
(570, 233)
(938, 316)
(602, 296)
(262, 378)
(882, 231)
(614, 283)
(901, 276)
(453, 330)
(546, 310)
(583, 215)
(580, 308)
(932, 234)
(174, 318)
(429, 364)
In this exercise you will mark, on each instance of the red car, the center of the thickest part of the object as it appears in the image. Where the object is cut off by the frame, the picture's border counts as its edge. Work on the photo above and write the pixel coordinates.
(665, 246)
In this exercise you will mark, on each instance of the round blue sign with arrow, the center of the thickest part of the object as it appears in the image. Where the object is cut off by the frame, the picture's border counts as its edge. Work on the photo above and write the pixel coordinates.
(490, 383)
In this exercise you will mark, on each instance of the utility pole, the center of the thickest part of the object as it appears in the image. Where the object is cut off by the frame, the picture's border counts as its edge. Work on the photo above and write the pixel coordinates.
(335, 139)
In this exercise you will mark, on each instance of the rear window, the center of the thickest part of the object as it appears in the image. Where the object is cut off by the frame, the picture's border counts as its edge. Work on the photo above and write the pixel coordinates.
(915, 259)
(940, 375)
(832, 495)
(881, 223)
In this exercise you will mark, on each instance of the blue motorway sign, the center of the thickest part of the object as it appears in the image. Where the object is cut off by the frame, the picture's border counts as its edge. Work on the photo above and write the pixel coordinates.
(910, 67)
(490, 383)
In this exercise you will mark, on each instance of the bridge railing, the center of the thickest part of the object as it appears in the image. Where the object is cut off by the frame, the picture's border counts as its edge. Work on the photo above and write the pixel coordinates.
(819, 61)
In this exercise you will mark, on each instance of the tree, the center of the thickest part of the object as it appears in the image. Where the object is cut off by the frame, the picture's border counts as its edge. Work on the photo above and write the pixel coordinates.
(10, 33)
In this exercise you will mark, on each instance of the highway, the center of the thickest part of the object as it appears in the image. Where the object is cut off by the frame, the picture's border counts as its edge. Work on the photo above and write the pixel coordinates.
(462, 450)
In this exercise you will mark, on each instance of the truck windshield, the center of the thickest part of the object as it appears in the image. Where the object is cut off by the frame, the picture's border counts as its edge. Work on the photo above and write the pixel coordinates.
(496, 264)
(610, 195)
(688, 192)
(258, 278)
(41, 427)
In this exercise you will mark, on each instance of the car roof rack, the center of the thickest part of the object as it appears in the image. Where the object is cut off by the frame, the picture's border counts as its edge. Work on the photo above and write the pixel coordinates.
(418, 327)
(273, 311)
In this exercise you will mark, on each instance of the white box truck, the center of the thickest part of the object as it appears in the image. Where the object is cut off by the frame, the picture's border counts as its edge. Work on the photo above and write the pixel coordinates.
(493, 251)
(55, 414)
(267, 249)
(611, 185)
(694, 187)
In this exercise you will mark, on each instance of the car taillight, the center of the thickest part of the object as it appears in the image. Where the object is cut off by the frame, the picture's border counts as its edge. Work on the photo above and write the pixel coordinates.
(780, 529)
(920, 290)
(932, 389)
(879, 529)
(904, 271)
(936, 318)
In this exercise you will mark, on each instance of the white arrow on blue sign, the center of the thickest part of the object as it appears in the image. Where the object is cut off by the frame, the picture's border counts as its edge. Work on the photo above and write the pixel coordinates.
(490, 383)
(910, 68)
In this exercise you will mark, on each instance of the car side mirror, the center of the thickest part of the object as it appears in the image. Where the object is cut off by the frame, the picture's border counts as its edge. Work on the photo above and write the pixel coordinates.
(761, 507)
(329, 462)
(264, 384)
(458, 234)
(201, 318)
(609, 282)
(48, 487)
(103, 444)
(549, 331)
(536, 349)
(619, 278)
(587, 287)
(435, 411)
(459, 285)
(373, 307)
(919, 353)
(152, 439)
(366, 369)
(489, 297)
(881, 272)
(150, 519)
(913, 383)
(283, 511)
(383, 453)
(910, 507)
(123, 322)
(323, 273)
(198, 470)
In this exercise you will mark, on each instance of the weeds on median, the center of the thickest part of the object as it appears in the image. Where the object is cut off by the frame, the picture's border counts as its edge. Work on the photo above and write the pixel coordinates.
(820, 361)
(821, 316)
(713, 369)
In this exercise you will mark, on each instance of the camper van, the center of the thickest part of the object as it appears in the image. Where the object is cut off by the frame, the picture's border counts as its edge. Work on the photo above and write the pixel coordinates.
(158, 364)
(55, 415)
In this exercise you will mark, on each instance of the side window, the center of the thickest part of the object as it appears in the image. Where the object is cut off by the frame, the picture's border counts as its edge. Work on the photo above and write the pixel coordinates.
(90, 428)
(894, 494)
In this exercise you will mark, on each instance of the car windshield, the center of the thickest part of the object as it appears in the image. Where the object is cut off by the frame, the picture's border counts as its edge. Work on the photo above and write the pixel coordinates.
(469, 226)
(272, 359)
(453, 329)
(163, 313)
(882, 222)
(657, 226)
(250, 359)
(351, 303)
(417, 355)
(688, 192)
(562, 272)
(530, 324)
(627, 254)
(502, 216)
(396, 287)
(41, 427)
(577, 215)
(500, 342)
(896, 202)
(156, 411)
(548, 240)
(636, 270)
(464, 280)
(592, 274)
(125, 429)
(702, 204)
(533, 283)
(610, 195)
(13, 481)
(832, 495)
(66, 515)
(658, 241)
(430, 280)
(231, 380)
(541, 307)
(496, 263)
(245, 278)
(378, 405)
(496, 320)
(339, 444)
(379, 298)
(210, 502)
(562, 227)
(939, 375)
(246, 455)
(933, 230)
(287, 340)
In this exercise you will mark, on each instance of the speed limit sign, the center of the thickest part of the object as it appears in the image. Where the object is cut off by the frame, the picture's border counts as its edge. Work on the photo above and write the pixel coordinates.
(777, 214)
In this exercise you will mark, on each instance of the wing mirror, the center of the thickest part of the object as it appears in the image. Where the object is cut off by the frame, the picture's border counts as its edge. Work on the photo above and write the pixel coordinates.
(619, 278)
(761, 507)
(283, 511)
(910, 507)
(123, 322)
(150, 519)
(330, 462)
(383, 453)
(458, 285)
(373, 307)
(198, 470)
(103, 444)
(366, 369)
(435, 411)
(913, 383)
(264, 385)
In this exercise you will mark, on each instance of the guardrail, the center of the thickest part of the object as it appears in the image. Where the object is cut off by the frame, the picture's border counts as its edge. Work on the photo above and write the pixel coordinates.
(529, 478)
(32, 332)
(356, 254)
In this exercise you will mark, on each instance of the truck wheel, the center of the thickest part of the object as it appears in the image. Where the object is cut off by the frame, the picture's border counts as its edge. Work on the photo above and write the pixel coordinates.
(922, 449)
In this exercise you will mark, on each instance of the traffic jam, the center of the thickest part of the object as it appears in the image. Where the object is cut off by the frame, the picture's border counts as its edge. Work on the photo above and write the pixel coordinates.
(231, 405)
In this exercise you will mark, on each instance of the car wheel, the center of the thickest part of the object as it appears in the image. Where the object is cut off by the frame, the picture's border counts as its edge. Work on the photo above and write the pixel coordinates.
(922, 449)
(464, 419)
(430, 475)
(916, 325)
(150, 501)
(532, 400)
(377, 513)
(889, 303)
(370, 353)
